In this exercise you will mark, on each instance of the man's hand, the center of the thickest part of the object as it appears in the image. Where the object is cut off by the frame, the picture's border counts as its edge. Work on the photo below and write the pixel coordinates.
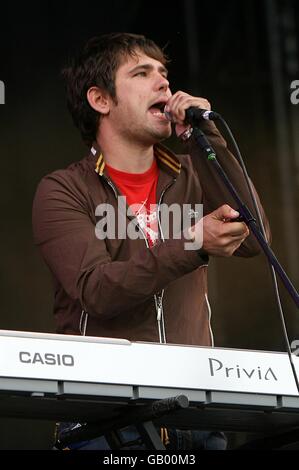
(177, 105)
(218, 233)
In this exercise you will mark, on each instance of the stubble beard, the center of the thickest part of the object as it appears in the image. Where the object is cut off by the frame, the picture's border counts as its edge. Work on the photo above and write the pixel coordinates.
(147, 135)
(159, 135)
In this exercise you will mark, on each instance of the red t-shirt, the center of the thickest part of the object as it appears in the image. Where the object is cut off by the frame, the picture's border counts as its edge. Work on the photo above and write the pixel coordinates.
(140, 191)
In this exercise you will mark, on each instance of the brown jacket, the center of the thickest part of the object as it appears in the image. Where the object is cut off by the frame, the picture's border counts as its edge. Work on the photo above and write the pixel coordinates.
(115, 288)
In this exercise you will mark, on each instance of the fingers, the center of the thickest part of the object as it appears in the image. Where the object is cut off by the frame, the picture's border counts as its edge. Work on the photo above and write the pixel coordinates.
(225, 213)
(237, 229)
(180, 101)
(221, 235)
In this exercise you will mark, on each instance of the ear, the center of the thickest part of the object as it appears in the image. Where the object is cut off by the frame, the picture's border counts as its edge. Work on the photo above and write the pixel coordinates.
(98, 100)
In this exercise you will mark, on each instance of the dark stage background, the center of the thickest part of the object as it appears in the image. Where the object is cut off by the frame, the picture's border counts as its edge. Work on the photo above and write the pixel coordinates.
(242, 56)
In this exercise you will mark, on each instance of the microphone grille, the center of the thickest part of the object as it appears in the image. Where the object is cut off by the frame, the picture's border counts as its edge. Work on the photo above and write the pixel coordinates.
(168, 115)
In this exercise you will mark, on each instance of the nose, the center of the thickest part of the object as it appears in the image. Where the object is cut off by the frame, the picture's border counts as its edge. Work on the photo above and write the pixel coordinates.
(162, 83)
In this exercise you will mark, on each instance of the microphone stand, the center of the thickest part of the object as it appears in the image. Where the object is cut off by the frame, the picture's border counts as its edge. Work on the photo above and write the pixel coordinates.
(245, 213)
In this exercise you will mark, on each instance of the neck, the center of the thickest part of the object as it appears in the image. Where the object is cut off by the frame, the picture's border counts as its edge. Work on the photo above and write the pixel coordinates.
(126, 155)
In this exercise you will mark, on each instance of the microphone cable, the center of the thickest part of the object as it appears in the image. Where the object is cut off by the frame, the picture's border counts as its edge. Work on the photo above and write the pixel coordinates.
(262, 228)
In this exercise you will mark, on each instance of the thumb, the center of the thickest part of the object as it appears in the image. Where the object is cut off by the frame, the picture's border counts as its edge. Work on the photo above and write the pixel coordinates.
(226, 212)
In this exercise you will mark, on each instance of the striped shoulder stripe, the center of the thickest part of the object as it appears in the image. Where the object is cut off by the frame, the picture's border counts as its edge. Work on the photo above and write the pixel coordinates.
(100, 165)
(168, 160)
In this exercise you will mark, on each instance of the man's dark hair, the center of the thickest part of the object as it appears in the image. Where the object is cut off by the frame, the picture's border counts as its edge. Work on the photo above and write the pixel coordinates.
(96, 65)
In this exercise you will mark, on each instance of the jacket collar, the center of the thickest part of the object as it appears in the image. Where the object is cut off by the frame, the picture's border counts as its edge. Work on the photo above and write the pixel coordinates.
(165, 158)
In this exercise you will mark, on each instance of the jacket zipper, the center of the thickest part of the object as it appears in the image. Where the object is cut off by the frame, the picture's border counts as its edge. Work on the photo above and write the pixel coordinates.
(210, 316)
(83, 322)
(157, 297)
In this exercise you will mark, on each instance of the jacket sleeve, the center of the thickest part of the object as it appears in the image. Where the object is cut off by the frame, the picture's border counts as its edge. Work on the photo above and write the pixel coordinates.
(215, 193)
(65, 233)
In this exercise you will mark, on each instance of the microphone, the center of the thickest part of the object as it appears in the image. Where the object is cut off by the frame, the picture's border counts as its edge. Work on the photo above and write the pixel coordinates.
(194, 115)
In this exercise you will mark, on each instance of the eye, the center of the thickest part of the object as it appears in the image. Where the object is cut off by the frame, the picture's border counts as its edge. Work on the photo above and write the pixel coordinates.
(141, 74)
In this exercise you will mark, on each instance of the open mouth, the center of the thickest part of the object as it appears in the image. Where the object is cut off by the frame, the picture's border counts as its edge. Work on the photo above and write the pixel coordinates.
(157, 109)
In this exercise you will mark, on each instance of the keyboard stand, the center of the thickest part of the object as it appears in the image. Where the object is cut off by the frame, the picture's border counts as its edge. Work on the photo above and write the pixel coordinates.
(142, 416)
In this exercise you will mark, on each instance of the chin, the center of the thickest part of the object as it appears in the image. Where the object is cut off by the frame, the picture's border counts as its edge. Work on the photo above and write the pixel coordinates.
(163, 134)
(156, 135)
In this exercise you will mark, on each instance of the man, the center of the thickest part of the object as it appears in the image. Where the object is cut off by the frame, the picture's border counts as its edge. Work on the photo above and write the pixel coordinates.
(147, 286)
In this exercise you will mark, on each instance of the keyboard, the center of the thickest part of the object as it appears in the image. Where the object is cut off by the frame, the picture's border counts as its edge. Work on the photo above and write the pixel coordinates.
(66, 377)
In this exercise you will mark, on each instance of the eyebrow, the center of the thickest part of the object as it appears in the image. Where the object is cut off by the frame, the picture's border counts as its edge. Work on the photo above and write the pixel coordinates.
(149, 67)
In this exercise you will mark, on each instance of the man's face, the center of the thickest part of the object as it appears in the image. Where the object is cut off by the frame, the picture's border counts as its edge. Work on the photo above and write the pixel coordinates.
(142, 89)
